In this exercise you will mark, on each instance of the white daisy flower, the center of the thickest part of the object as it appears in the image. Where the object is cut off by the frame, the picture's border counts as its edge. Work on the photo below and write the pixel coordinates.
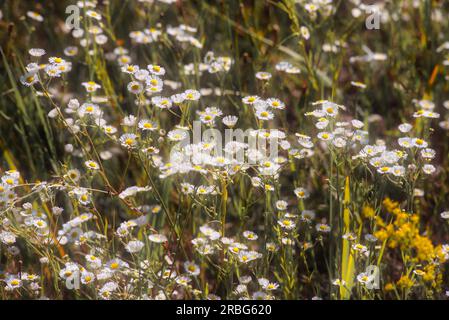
(128, 140)
(92, 165)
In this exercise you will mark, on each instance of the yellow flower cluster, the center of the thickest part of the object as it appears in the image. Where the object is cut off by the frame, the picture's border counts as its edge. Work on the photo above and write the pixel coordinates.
(402, 231)
(405, 282)
(368, 212)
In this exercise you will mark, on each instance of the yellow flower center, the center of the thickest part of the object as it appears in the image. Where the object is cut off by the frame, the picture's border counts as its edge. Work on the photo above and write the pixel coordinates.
(15, 282)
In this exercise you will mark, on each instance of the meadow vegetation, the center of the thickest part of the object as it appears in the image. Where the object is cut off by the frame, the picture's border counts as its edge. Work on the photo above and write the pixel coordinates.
(104, 195)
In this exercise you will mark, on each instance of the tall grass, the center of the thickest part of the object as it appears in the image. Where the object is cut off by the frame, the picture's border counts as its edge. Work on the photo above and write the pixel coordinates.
(93, 187)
